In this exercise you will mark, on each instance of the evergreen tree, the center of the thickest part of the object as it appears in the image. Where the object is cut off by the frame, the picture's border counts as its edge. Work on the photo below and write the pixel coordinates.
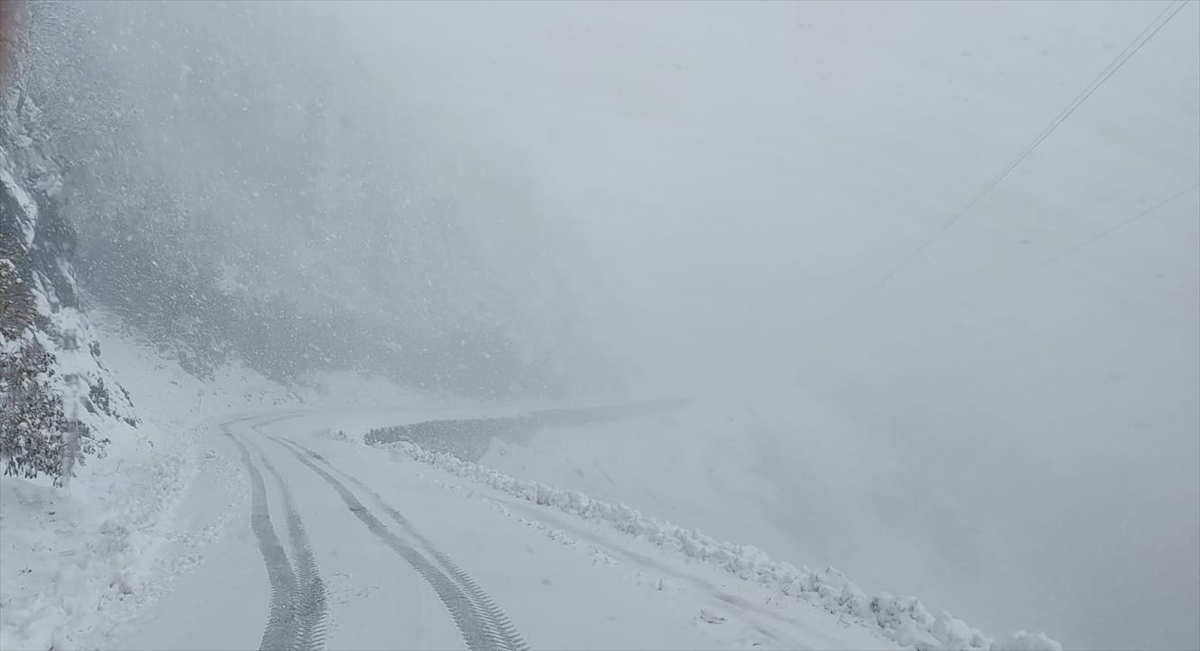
(16, 303)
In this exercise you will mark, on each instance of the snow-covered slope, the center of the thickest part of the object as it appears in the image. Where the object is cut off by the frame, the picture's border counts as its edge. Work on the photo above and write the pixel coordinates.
(110, 545)
(36, 240)
(147, 550)
(904, 620)
(800, 481)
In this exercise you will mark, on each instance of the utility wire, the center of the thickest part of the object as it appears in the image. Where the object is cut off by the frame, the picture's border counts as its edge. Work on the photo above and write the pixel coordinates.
(1070, 250)
(1136, 45)
(1121, 224)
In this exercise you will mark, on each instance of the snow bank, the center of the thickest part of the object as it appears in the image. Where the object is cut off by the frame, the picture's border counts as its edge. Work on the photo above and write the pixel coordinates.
(903, 619)
(76, 563)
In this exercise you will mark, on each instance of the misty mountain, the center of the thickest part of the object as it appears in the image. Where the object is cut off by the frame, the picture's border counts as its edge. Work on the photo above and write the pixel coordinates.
(241, 191)
(926, 276)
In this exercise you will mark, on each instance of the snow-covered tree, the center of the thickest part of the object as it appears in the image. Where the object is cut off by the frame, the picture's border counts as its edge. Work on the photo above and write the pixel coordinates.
(39, 308)
(31, 419)
(16, 302)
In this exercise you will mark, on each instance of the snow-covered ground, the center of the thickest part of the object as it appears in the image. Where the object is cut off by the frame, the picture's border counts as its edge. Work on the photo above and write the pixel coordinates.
(752, 191)
(797, 479)
(388, 548)
(904, 620)
(72, 562)
(558, 588)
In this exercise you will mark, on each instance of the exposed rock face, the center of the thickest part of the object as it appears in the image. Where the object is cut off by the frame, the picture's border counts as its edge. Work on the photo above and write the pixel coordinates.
(74, 396)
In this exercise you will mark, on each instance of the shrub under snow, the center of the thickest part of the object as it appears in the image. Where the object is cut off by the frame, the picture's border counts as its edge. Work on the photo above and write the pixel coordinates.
(903, 619)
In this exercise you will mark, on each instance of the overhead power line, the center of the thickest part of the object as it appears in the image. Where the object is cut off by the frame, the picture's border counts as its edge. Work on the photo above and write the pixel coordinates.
(976, 296)
(1121, 224)
(1133, 48)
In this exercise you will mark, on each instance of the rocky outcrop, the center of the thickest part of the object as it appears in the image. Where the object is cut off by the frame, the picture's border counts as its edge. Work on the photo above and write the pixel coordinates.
(60, 406)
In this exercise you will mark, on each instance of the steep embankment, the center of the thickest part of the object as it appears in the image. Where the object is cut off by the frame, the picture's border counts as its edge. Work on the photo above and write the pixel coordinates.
(798, 481)
(37, 246)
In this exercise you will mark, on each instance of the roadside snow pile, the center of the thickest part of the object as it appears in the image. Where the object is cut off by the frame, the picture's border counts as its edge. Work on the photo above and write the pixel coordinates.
(76, 562)
(76, 559)
(903, 619)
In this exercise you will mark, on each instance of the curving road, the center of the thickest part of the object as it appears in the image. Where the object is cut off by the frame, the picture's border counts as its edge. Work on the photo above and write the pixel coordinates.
(291, 539)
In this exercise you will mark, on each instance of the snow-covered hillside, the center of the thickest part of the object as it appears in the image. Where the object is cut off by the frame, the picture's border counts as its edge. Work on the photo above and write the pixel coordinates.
(928, 275)
(37, 245)
(75, 561)
(799, 480)
(904, 620)
(139, 553)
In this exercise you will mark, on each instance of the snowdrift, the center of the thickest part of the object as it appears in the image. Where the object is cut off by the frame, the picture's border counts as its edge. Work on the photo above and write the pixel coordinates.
(903, 619)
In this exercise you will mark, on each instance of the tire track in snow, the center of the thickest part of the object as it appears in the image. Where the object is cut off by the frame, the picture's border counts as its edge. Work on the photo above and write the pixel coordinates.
(308, 604)
(297, 616)
(482, 624)
(280, 630)
(500, 627)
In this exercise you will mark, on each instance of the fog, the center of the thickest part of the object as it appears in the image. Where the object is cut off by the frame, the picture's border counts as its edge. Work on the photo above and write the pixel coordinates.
(743, 176)
(770, 201)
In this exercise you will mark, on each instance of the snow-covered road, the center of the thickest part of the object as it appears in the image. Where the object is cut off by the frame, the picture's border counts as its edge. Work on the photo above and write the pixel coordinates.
(321, 542)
